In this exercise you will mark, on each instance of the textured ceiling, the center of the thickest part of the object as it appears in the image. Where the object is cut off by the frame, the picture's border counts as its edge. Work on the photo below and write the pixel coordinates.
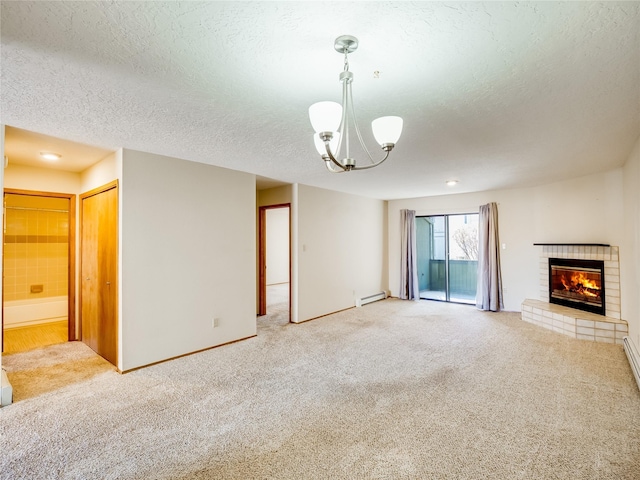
(24, 147)
(495, 95)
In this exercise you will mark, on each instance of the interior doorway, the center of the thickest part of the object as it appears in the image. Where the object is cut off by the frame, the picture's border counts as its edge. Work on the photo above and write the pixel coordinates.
(274, 260)
(38, 269)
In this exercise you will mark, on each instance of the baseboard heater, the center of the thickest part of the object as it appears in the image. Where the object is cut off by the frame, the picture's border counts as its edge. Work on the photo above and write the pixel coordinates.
(634, 358)
(371, 298)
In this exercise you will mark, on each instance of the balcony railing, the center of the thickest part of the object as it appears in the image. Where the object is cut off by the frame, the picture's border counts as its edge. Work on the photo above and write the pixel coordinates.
(462, 276)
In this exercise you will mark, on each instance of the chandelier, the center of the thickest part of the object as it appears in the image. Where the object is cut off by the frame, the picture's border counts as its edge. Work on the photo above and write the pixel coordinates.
(332, 121)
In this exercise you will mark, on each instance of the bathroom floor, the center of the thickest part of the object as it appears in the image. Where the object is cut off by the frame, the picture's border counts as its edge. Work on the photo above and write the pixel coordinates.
(27, 338)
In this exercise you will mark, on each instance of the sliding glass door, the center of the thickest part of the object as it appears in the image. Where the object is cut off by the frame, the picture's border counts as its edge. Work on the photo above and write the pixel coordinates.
(447, 257)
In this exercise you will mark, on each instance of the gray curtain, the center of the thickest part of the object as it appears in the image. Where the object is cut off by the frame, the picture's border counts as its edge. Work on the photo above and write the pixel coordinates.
(489, 289)
(409, 268)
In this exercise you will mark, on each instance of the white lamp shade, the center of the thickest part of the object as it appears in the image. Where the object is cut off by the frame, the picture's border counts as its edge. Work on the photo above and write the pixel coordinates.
(387, 129)
(325, 116)
(333, 144)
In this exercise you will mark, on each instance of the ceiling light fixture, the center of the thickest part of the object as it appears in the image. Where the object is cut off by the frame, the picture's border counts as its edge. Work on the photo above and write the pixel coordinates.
(331, 122)
(50, 156)
(451, 183)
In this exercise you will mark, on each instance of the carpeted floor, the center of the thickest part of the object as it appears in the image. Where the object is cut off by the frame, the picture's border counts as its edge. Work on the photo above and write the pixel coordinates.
(395, 389)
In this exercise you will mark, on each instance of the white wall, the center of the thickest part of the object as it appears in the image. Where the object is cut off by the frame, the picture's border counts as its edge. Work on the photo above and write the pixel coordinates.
(630, 250)
(583, 210)
(277, 231)
(188, 255)
(103, 172)
(341, 250)
(22, 177)
(274, 196)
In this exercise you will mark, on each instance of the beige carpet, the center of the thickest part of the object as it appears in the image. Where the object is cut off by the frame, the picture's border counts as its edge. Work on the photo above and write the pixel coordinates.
(390, 390)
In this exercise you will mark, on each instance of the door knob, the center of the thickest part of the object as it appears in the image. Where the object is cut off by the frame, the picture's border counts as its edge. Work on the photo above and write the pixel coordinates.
(108, 283)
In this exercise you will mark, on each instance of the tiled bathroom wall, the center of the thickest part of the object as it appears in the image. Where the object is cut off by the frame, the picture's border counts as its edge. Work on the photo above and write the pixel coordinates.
(36, 247)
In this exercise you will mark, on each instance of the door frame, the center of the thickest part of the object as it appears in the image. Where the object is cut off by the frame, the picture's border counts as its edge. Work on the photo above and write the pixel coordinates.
(71, 263)
(262, 256)
(447, 255)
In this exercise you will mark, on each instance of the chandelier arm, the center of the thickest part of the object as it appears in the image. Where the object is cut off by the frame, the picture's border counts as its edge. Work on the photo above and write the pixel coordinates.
(343, 122)
(344, 126)
(327, 164)
(355, 123)
(375, 164)
(332, 158)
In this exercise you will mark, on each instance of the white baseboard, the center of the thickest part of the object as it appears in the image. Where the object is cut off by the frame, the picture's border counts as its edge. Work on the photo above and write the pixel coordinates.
(634, 358)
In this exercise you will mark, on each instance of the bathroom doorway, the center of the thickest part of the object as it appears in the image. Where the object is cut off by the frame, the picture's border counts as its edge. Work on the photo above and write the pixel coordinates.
(38, 269)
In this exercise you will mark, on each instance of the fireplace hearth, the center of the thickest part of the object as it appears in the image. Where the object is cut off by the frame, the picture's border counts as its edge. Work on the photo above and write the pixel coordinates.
(569, 320)
(577, 283)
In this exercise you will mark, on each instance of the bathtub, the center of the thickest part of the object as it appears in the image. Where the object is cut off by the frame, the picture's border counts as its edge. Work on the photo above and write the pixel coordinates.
(21, 313)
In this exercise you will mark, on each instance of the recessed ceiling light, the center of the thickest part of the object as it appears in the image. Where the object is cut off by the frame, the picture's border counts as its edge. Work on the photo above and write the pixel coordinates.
(451, 183)
(50, 156)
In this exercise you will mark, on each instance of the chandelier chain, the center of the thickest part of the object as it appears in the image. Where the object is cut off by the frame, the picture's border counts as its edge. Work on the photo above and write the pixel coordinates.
(346, 61)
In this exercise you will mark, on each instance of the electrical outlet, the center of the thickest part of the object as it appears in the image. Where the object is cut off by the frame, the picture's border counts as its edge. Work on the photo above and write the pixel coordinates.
(216, 322)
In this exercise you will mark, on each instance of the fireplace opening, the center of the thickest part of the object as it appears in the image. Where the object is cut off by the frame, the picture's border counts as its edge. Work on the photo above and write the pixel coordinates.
(577, 284)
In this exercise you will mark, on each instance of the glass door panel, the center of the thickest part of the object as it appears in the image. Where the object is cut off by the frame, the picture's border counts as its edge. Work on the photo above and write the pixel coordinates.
(463, 257)
(431, 245)
(447, 257)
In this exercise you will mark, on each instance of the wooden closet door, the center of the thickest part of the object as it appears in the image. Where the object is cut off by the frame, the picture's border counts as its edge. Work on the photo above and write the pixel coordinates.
(89, 268)
(99, 272)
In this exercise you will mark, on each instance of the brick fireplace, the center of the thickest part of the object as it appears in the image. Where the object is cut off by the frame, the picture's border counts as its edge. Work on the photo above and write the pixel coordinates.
(580, 324)
(607, 254)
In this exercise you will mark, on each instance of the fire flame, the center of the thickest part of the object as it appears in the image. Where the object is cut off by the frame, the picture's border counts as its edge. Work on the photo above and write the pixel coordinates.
(580, 283)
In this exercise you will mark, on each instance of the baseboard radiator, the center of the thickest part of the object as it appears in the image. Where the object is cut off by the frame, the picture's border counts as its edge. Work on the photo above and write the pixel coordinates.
(634, 358)
(371, 298)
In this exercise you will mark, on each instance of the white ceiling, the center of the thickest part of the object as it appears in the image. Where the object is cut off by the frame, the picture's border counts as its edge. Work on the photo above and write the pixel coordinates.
(24, 147)
(495, 95)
